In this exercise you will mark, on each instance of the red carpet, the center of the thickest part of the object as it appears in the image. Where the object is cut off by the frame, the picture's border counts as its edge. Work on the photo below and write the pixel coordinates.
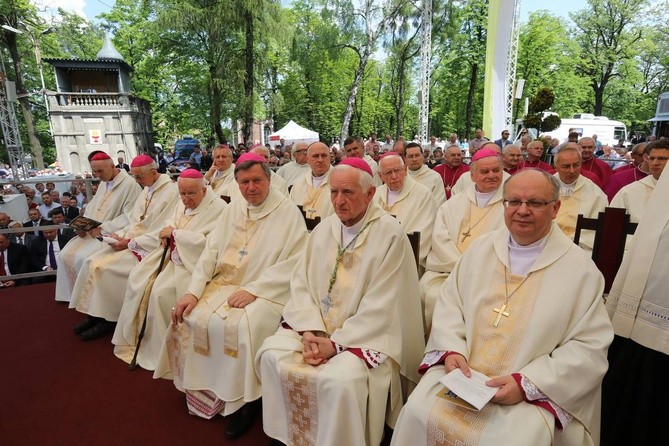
(58, 390)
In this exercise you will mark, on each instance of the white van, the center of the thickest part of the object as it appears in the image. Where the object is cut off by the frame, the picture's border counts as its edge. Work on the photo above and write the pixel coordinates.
(661, 119)
(585, 124)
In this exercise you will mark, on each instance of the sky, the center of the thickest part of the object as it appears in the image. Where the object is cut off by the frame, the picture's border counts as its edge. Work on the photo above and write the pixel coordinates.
(91, 8)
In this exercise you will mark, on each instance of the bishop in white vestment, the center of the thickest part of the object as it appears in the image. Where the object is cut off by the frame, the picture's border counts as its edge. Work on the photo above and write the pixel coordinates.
(193, 219)
(111, 205)
(221, 175)
(312, 189)
(523, 306)
(331, 373)
(234, 300)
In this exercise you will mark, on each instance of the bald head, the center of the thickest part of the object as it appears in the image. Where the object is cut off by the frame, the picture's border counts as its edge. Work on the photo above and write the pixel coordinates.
(262, 151)
(318, 157)
(300, 152)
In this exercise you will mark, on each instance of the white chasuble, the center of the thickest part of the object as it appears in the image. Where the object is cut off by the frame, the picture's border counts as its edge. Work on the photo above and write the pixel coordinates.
(432, 181)
(372, 305)
(224, 182)
(555, 333)
(212, 351)
(415, 209)
(586, 198)
(315, 201)
(103, 277)
(459, 221)
(157, 295)
(109, 206)
(634, 197)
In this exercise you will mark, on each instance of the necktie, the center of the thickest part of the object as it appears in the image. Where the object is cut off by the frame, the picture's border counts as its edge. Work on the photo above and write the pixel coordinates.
(52, 256)
(2, 264)
(35, 224)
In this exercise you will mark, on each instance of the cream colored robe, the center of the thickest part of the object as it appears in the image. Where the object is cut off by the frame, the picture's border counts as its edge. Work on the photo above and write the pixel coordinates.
(276, 182)
(465, 181)
(189, 237)
(638, 303)
(103, 277)
(556, 335)
(634, 197)
(375, 307)
(110, 207)
(456, 216)
(315, 202)
(225, 184)
(587, 199)
(292, 171)
(430, 179)
(213, 349)
(414, 209)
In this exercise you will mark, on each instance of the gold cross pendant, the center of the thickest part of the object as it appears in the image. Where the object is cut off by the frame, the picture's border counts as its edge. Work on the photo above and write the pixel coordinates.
(500, 312)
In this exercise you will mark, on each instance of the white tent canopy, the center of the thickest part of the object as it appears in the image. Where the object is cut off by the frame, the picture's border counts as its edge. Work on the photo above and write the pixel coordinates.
(292, 133)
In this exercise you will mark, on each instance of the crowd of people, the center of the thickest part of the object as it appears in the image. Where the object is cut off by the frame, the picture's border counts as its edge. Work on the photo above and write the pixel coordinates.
(214, 282)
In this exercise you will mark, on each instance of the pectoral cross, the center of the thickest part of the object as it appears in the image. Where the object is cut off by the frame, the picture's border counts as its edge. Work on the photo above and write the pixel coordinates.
(242, 252)
(327, 304)
(311, 213)
(448, 188)
(500, 312)
(465, 235)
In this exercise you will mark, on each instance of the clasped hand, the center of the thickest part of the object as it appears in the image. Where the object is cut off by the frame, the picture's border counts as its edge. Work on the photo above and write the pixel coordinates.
(316, 350)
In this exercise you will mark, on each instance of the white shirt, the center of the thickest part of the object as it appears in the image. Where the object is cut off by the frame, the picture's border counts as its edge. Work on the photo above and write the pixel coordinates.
(56, 251)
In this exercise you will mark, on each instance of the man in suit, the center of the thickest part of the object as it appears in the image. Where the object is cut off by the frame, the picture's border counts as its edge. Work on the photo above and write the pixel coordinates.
(35, 220)
(57, 217)
(69, 211)
(122, 165)
(13, 260)
(43, 253)
(21, 238)
(504, 140)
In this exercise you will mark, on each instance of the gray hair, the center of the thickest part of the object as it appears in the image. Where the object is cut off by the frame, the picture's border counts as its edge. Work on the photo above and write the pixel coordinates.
(472, 165)
(392, 157)
(366, 181)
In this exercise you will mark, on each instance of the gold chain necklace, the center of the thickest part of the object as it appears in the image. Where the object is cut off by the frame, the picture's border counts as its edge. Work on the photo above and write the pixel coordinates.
(468, 232)
(242, 252)
(502, 311)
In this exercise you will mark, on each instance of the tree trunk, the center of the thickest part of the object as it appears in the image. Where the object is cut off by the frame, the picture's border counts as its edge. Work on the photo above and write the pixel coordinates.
(470, 99)
(599, 98)
(215, 105)
(36, 147)
(248, 78)
(401, 76)
(352, 95)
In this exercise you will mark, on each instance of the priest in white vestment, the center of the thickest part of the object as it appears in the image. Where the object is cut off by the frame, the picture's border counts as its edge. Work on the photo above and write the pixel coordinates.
(102, 279)
(296, 168)
(524, 307)
(312, 189)
(331, 373)
(234, 300)
(354, 148)
(419, 171)
(186, 230)
(221, 175)
(116, 195)
(634, 197)
(461, 220)
(407, 200)
(635, 392)
(276, 181)
(465, 181)
(578, 195)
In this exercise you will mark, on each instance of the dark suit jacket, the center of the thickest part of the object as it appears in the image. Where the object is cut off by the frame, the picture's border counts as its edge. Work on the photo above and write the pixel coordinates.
(19, 261)
(123, 166)
(38, 251)
(28, 238)
(70, 213)
(42, 222)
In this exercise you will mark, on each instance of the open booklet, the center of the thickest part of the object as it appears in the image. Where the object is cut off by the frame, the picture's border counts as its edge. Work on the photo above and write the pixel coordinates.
(84, 224)
(473, 390)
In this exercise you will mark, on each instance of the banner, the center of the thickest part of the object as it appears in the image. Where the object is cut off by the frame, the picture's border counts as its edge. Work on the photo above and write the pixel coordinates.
(500, 24)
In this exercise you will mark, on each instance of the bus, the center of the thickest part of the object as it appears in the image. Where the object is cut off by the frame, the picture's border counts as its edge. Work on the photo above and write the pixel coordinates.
(661, 119)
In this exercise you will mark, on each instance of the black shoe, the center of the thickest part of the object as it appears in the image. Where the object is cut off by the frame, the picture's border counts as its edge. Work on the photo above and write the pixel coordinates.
(274, 442)
(99, 330)
(86, 324)
(242, 420)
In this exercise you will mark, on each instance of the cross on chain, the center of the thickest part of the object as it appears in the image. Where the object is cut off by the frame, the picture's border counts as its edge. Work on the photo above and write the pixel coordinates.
(327, 304)
(311, 213)
(500, 312)
(242, 252)
(465, 235)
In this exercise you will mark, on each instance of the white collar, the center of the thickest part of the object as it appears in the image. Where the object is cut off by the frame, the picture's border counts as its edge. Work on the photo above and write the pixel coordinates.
(522, 257)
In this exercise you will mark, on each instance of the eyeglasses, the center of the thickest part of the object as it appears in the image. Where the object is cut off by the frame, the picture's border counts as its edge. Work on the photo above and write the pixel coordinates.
(300, 151)
(388, 173)
(532, 204)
